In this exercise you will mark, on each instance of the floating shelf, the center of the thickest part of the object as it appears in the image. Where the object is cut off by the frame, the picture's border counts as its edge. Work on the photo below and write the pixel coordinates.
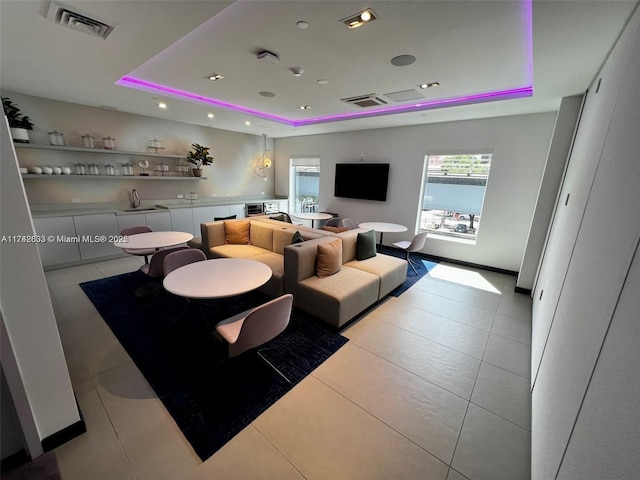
(108, 177)
(98, 150)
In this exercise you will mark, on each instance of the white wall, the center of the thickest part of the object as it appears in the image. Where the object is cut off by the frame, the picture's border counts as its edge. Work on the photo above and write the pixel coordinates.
(519, 145)
(586, 326)
(32, 354)
(232, 172)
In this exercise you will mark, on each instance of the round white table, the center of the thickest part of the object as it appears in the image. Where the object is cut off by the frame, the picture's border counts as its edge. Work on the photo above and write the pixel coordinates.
(217, 278)
(313, 216)
(155, 240)
(383, 227)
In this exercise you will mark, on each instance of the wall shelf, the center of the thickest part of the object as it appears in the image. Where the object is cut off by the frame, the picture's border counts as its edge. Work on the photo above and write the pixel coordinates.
(107, 177)
(97, 150)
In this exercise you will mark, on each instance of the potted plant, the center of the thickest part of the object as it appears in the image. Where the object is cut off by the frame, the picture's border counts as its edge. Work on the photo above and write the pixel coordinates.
(18, 124)
(199, 156)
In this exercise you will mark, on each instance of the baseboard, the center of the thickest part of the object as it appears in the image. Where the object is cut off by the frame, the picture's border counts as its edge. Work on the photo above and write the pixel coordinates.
(13, 461)
(63, 436)
(526, 291)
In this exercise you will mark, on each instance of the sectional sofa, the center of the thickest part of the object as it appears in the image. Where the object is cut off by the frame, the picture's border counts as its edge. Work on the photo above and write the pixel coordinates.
(297, 254)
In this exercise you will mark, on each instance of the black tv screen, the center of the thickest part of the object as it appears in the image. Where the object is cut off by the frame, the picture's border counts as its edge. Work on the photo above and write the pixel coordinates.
(366, 181)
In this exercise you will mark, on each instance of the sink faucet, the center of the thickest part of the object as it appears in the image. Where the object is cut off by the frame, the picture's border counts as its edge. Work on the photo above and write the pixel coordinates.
(135, 198)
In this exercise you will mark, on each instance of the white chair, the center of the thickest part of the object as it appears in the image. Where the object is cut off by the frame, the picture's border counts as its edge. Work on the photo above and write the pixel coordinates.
(414, 245)
(347, 222)
(249, 330)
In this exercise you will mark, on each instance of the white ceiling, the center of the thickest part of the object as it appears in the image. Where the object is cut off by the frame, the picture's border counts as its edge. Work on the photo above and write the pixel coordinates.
(473, 47)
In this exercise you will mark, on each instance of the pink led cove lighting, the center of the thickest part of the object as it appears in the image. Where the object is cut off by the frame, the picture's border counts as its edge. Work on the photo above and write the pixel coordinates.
(524, 91)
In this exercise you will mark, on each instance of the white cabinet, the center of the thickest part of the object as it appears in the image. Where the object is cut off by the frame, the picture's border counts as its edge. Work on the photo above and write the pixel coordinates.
(158, 221)
(94, 232)
(61, 245)
(182, 220)
(238, 210)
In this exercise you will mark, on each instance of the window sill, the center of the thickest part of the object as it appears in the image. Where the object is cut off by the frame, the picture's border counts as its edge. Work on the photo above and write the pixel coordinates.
(450, 238)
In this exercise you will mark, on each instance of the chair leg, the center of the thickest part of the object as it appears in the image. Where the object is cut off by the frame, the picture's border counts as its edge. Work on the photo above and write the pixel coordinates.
(411, 263)
(259, 352)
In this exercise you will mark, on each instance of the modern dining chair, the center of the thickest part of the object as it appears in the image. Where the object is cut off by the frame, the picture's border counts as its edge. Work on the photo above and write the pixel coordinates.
(180, 258)
(414, 245)
(347, 222)
(143, 252)
(333, 222)
(155, 271)
(251, 329)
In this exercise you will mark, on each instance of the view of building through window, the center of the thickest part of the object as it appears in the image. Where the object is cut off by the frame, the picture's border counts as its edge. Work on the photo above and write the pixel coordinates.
(454, 187)
(304, 184)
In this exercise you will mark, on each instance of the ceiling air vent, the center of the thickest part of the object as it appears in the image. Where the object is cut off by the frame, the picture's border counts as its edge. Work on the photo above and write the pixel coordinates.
(365, 101)
(73, 18)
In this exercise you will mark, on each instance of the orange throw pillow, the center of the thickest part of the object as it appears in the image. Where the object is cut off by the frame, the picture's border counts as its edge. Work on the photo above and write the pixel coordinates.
(237, 232)
(329, 258)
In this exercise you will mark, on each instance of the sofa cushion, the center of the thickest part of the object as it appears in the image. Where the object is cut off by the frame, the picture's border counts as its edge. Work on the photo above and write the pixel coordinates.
(274, 287)
(329, 258)
(391, 270)
(235, 251)
(366, 245)
(338, 298)
(261, 235)
(237, 232)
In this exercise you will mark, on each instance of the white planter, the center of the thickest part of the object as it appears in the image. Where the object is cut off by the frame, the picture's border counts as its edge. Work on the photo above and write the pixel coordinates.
(20, 135)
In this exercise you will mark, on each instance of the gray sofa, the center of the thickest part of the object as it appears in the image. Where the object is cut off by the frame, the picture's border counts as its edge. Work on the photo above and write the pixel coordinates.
(335, 299)
(340, 297)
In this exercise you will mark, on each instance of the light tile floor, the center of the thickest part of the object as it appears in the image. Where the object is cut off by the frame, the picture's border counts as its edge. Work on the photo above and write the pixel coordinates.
(433, 384)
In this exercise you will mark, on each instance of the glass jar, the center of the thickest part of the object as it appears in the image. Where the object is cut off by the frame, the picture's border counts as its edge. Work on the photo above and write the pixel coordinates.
(87, 141)
(127, 169)
(110, 169)
(56, 138)
(80, 169)
(109, 143)
(94, 169)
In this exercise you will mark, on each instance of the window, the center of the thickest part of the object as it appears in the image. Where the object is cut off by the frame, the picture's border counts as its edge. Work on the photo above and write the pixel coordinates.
(304, 185)
(454, 187)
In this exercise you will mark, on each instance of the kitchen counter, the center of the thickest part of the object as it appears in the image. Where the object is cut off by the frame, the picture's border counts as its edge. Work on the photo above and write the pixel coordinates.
(152, 206)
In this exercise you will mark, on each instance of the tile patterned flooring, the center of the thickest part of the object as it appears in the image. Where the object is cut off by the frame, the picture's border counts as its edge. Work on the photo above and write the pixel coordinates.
(433, 384)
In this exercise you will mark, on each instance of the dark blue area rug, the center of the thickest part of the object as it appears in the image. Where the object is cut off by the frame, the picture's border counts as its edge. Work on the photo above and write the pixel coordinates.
(210, 400)
(426, 265)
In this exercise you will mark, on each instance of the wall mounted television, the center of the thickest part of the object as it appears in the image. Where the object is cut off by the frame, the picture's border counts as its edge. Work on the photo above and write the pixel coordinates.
(365, 181)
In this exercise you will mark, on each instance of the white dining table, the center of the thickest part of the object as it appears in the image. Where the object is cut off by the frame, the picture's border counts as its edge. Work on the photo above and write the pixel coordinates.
(313, 216)
(155, 240)
(382, 228)
(217, 278)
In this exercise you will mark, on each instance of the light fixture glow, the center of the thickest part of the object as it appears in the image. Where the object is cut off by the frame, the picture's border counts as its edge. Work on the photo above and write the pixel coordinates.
(215, 76)
(429, 85)
(359, 19)
(162, 105)
(305, 107)
(247, 122)
(264, 161)
(210, 115)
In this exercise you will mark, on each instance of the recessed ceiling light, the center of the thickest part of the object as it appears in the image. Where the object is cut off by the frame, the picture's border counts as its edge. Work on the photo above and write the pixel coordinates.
(322, 81)
(215, 76)
(267, 94)
(210, 115)
(162, 105)
(305, 107)
(247, 123)
(429, 85)
(359, 19)
(403, 60)
(297, 71)
(302, 24)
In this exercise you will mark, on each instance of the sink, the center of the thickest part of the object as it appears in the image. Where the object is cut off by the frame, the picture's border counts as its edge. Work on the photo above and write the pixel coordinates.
(145, 209)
